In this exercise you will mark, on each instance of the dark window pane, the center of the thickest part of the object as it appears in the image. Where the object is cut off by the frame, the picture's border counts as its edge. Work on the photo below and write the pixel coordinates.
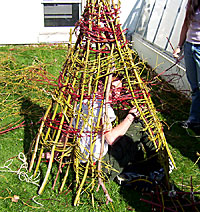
(58, 15)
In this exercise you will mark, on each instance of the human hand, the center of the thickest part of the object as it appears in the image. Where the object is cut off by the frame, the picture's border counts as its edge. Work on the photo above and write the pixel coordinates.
(134, 111)
(177, 52)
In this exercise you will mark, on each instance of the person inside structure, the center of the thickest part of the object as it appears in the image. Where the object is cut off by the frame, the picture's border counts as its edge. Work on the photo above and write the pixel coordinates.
(126, 148)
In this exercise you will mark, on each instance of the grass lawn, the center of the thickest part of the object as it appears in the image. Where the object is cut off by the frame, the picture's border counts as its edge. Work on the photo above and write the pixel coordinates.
(23, 101)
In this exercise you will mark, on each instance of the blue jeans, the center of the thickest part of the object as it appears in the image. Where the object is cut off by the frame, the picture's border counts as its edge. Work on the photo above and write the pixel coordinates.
(192, 64)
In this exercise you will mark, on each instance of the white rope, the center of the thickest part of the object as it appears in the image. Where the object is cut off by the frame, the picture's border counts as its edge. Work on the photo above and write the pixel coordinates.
(36, 201)
(22, 172)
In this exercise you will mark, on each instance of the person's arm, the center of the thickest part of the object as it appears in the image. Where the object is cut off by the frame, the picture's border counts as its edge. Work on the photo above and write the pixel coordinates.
(115, 133)
(182, 38)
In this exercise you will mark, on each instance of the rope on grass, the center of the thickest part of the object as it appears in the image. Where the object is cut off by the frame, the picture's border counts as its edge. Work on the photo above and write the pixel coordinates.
(22, 172)
(33, 198)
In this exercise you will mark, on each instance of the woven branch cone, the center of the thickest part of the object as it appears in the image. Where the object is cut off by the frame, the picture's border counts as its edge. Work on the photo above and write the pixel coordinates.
(100, 43)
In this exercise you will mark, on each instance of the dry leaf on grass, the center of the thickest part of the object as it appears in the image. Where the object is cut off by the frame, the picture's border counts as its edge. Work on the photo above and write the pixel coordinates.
(15, 198)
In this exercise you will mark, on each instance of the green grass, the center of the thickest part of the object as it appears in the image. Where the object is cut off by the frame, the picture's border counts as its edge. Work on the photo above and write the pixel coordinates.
(30, 104)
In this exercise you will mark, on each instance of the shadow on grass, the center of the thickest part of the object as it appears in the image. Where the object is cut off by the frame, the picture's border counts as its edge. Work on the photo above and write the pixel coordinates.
(155, 199)
(175, 107)
(184, 140)
(32, 114)
(133, 198)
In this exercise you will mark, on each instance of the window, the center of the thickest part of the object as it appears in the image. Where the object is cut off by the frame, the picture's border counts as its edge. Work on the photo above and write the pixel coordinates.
(61, 14)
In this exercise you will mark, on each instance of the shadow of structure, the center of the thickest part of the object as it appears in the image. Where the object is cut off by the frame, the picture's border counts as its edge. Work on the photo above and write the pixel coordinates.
(159, 199)
(136, 21)
(186, 141)
(132, 19)
(32, 115)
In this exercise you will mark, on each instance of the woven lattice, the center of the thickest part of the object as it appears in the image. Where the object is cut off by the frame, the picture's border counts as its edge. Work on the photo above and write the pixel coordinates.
(101, 50)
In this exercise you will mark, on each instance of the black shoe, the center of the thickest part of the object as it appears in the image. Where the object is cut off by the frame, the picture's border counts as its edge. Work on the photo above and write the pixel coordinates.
(190, 125)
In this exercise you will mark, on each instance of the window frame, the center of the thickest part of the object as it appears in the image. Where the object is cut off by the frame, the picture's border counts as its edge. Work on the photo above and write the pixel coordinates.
(62, 22)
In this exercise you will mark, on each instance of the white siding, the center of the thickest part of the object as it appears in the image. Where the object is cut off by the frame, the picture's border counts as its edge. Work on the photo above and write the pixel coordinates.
(21, 21)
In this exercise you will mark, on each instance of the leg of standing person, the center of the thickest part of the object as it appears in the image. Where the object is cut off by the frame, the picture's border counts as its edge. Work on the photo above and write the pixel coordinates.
(192, 63)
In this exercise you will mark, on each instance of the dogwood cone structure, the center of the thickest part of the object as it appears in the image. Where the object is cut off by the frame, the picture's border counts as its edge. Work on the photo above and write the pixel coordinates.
(100, 51)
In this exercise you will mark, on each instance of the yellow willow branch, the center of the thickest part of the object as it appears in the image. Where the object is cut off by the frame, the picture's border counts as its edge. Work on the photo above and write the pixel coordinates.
(52, 154)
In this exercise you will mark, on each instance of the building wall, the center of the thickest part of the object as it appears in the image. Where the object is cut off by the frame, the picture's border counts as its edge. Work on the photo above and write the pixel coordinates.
(126, 7)
(22, 21)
